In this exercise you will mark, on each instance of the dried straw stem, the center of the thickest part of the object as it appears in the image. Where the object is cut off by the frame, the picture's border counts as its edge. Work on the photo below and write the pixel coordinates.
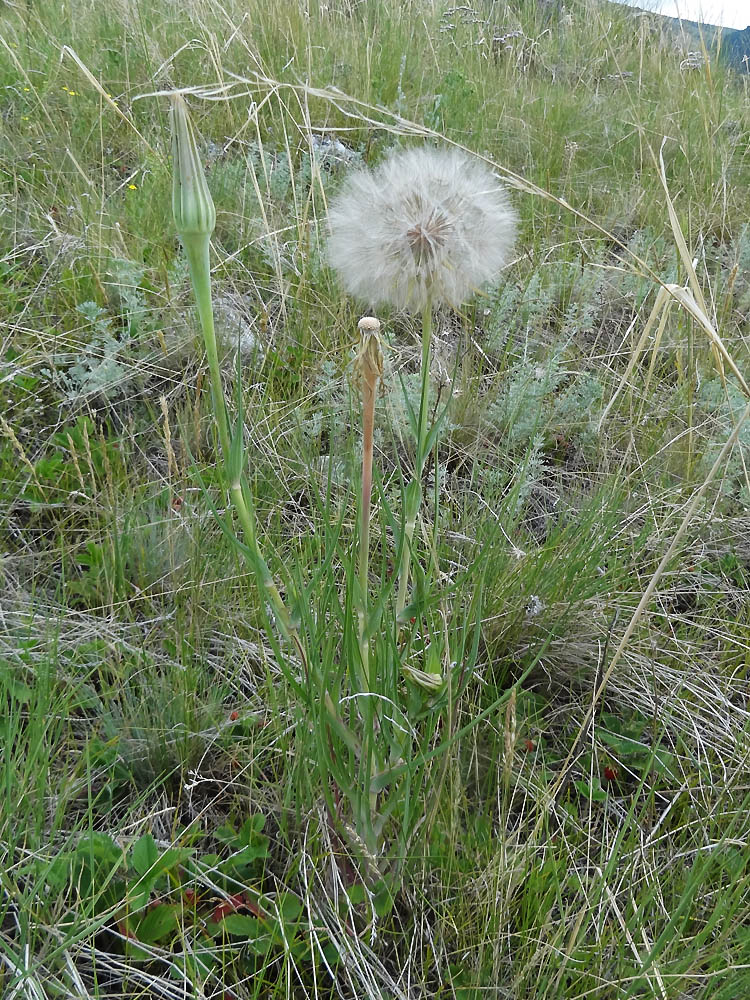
(369, 368)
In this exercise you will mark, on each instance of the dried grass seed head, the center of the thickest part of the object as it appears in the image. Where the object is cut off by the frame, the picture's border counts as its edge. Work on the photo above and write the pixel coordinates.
(426, 226)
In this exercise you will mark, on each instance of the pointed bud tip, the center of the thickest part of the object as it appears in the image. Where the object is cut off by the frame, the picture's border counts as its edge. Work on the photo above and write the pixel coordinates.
(192, 204)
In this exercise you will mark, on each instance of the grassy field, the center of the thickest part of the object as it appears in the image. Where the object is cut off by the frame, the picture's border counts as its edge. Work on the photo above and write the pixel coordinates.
(194, 804)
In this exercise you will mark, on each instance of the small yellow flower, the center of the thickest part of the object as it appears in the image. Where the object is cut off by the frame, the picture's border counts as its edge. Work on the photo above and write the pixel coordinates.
(24, 118)
(27, 89)
(64, 87)
(73, 93)
(132, 187)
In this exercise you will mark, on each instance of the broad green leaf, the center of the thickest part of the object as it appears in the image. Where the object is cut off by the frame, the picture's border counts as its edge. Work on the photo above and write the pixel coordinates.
(256, 823)
(228, 835)
(331, 954)
(170, 859)
(134, 951)
(242, 925)
(58, 873)
(595, 792)
(624, 746)
(248, 855)
(144, 854)
(383, 900)
(101, 848)
(356, 893)
(160, 922)
(138, 895)
(289, 907)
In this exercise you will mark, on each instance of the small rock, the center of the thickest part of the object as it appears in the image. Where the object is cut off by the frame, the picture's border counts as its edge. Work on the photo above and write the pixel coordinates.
(235, 327)
(332, 151)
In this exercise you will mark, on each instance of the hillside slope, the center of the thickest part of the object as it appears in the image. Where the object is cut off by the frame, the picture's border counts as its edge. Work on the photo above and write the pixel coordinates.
(733, 44)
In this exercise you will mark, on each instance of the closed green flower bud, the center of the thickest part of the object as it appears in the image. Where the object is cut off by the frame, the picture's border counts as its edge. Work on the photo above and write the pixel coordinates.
(192, 204)
(427, 681)
(194, 219)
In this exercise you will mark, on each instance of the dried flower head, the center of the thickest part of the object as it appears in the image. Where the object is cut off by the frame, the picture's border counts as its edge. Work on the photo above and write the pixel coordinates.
(426, 226)
(368, 364)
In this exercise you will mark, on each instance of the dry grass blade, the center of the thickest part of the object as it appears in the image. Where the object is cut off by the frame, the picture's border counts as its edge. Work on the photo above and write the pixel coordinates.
(632, 624)
(692, 300)
(695, 303)
(678, 235)
(660, 308)
(687, 300)
(67, 50)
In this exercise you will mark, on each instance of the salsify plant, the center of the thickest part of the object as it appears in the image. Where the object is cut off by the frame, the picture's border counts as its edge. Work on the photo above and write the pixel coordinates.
(426, 228)
(377, 701)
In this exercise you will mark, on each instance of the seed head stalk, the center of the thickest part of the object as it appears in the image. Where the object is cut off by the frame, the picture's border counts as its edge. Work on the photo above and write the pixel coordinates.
(368, 415)
(414, 496)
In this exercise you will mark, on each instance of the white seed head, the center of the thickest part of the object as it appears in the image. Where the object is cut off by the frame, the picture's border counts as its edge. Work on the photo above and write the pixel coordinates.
(427, 225)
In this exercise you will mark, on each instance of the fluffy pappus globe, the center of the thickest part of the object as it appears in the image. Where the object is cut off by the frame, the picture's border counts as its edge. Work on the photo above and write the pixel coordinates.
(427, 226)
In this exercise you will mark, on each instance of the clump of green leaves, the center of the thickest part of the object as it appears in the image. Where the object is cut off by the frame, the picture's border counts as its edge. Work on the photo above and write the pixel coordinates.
(182, 906)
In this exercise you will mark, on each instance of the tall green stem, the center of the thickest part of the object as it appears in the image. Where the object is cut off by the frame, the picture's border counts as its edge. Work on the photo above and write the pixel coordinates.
(414, 493)
(195, 218)
(369, 383)
(196, 249)
(200, 274)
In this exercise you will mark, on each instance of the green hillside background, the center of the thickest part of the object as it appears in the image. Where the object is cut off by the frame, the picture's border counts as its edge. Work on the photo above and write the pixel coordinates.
(731, 45)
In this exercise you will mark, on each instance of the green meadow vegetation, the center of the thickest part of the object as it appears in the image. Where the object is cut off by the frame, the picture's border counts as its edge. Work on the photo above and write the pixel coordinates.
(238, 758)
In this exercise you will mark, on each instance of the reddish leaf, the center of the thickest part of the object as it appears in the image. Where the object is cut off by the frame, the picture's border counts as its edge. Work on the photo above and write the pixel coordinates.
(230, 905)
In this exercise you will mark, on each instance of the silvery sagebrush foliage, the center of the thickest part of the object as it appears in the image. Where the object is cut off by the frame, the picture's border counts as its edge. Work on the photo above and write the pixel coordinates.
(99, 368)
(427, 226)
(723, 403)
